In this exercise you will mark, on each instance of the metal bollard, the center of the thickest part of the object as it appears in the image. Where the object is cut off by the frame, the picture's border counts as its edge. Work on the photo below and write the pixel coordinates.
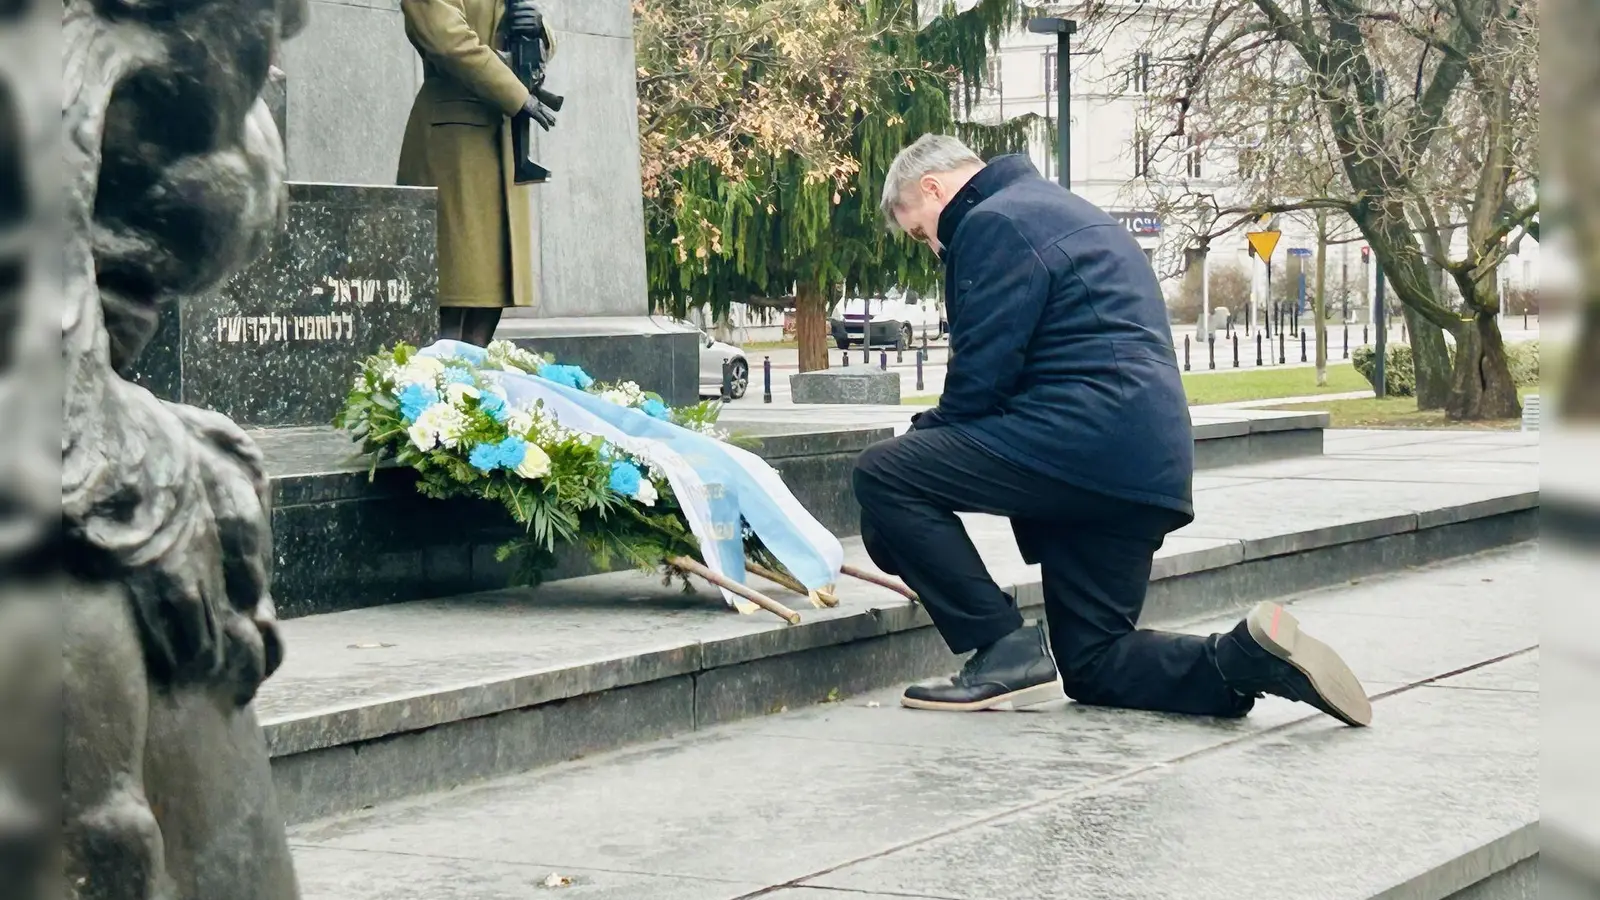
(1524, 321)
(727, 381)
(1281, 358)
(1186, 353)
(883, 360)
(1303, 345)
(1211, 349)
(920, 355)
(1258, 348)
(766, 379)
(1363, 335)
(1236, 349)
(1347, 340)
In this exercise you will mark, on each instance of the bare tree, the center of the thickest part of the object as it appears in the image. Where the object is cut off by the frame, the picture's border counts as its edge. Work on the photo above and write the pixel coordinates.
(1415, 119)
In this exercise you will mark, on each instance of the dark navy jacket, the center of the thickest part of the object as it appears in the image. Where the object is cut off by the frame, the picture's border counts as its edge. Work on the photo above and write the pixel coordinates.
(1061, 358)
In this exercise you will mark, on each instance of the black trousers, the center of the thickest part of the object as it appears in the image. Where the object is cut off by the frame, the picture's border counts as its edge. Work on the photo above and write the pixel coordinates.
(1095, 552)
(469, 324)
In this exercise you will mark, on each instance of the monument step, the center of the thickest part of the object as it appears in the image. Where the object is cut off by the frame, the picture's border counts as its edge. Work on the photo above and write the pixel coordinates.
(348, 537)
(387, 702)
(861, 798)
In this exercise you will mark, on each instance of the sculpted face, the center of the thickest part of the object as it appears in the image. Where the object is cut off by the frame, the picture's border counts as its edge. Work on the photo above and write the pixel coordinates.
(192, 169)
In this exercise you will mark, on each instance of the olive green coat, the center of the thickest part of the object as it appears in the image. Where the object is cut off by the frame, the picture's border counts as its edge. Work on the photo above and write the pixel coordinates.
(458, 140)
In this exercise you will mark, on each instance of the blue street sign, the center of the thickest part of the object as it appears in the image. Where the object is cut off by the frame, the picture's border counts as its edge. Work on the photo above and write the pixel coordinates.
(1299, 251)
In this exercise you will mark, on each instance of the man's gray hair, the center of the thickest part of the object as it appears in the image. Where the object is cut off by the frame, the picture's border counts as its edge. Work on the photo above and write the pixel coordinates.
(930, 154)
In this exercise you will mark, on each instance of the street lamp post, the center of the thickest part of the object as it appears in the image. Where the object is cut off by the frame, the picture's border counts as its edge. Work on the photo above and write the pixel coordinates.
(1380, 317)
(1063, 29)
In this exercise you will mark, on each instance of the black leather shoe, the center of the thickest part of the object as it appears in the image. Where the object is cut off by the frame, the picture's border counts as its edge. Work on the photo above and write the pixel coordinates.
(1267, 653)
(1014, 671)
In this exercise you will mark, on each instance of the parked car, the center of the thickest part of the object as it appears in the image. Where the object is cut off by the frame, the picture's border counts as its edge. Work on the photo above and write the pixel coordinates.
(887, 321)
(712, 354)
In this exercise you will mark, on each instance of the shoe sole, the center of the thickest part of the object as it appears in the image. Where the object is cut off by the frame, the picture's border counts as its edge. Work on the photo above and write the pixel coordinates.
(1275, 629)
(1042, 693)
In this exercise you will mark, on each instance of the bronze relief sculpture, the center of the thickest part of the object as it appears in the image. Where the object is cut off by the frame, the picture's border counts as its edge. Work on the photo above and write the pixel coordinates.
(173, 174)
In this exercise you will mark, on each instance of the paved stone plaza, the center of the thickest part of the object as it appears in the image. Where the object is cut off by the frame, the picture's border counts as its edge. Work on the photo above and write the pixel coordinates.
(863, 799)
(620, 734)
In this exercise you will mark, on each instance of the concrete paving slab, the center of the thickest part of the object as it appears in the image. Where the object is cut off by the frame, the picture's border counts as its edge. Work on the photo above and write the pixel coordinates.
(1296, 814)
(727, 805)
(332, 874)
(1520, 673)
(1062, 800)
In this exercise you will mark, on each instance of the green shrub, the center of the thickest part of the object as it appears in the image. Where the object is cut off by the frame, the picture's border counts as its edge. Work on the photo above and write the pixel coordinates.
(1523, 357)
(1399, 370)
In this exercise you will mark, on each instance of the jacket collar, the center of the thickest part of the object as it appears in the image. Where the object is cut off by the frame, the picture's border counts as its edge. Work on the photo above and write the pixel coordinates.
(1001, 172)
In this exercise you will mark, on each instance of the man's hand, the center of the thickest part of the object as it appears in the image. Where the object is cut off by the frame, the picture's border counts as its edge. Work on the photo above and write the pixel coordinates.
(525, 17)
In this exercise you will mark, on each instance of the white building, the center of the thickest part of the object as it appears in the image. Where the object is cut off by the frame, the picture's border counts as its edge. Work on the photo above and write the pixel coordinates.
(1110, 77)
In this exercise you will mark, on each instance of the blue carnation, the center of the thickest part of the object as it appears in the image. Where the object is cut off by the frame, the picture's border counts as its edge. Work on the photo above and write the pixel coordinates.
(415, 399)
(457, 375)
(625, 478)
(512, 450)
(485, 457)
(494, 406)
(571, 376)
(506, 454)
(655, 409)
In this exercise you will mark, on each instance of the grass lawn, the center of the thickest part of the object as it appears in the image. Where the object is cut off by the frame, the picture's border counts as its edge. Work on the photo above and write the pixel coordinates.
(770, 345)
(1268, 383)
(1397, 412)
(1251, 384)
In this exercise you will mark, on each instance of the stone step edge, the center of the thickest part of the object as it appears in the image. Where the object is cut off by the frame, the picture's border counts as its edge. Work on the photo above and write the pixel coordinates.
(1517, 846)
(430, 708)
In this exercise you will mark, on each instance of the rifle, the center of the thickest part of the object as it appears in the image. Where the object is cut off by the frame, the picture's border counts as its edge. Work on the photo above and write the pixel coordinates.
(527, 60)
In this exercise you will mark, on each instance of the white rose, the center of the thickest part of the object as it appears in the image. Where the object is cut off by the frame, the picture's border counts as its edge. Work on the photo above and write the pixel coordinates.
(535, 463)
(647, 492)
(458, 393)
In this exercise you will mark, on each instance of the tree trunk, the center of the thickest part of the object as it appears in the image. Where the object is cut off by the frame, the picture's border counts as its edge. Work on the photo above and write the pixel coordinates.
(811, 325)
(1432, 356)
(1483, 388)
(1319, 303)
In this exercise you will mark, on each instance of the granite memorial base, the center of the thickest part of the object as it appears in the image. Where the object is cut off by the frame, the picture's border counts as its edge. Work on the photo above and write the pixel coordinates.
(657, 354)
(355, 271)
(348, 537)
(852, 384)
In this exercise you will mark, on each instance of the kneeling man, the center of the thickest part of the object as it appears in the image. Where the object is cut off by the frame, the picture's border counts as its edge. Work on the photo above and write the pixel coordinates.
(1063, 411)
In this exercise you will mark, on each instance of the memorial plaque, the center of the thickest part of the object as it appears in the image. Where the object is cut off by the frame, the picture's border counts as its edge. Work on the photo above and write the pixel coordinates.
(353, 272)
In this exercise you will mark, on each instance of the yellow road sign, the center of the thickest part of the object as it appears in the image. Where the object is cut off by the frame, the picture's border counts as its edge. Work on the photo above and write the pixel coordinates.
(1264, 242)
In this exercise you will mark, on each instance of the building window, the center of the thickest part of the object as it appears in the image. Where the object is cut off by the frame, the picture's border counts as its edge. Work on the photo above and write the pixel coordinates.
(1139, 76)
(1192, 159)
(991, 75)
(1141, 155)
(1050, 85)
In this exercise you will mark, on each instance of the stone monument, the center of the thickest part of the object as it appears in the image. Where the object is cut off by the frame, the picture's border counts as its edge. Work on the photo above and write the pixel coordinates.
(861, 384)
(349, 81)
(174, 182)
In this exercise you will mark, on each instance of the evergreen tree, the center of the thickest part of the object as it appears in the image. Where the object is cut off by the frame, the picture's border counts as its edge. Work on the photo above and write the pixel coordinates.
(785, 222)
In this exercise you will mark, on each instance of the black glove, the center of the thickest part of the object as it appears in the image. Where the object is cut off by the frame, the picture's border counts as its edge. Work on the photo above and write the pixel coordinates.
(526, 20)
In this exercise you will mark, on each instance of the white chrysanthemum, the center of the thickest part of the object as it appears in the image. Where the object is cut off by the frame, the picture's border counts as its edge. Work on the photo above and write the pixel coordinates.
(620, 398)
(519, 422)
(423, 436)
(647, 492)
(420, 370)
(457, 393)
(535, 463)
(444, 422)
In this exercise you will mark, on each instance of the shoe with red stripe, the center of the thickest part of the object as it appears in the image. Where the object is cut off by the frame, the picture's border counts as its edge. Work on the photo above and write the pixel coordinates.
(1267, 653)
